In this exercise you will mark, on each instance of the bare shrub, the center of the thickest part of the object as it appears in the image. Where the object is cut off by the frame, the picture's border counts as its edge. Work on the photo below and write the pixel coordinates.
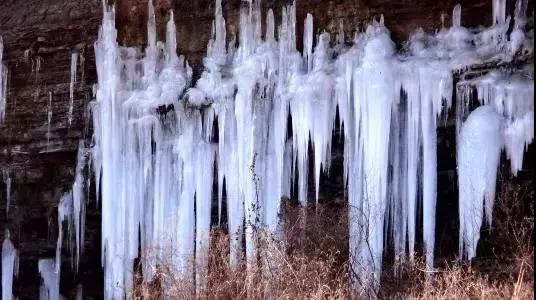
(309, 260)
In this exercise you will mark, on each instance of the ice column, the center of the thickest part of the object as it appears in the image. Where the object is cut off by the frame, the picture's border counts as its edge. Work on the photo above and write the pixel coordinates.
(49, 117)
(479, 152)
(79, 203)
(74, 62)
(145, 156)
(10, 266)
(50, 287)
(373, 90)
(3, 84)
(7, 182)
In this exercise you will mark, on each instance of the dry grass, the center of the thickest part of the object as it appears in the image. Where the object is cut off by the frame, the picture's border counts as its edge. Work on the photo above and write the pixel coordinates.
(312, 262)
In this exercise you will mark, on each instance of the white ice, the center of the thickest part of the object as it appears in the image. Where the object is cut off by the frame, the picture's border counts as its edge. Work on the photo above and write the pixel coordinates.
(72, 84)
(7, 182)
(479, 152)
(50, 280)
(3, 83)
(10, 266)
(154, 155)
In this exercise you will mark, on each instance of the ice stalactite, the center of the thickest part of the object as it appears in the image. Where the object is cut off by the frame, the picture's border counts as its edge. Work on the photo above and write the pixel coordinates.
(479, 150)
(79, 202)
(313, 112)
(372, 93)
(204, 172)
(72, 84)
(246, 69)
(216, 85)
(49, 117)
(50, 285)
(499, 11)
(7, 182)
(508, 96)
(149, 139)
(10, 266)
(511, 94)
(71, 211)
(65, 214)
(428, 89)
(3, 83)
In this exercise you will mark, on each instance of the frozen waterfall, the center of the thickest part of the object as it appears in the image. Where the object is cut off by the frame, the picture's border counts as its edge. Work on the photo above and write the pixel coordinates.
(155, 157)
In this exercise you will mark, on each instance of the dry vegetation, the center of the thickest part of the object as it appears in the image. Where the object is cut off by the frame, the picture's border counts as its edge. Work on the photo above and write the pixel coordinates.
(312, 264)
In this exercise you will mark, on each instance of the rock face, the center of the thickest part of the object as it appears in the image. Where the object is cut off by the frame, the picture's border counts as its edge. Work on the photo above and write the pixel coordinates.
(39, 38)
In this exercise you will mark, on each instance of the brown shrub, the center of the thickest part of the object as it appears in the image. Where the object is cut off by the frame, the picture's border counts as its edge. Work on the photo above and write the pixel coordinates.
(311, 263)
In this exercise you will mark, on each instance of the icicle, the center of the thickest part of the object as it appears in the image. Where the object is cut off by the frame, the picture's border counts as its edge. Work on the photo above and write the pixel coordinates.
(152, 155)
(510, 94)
(7, 182)
(49, 118)
(499, 11)
(50, 287)
(270, 27)
(308, 42)
(171, 41)
(373, 95)
(457, 16)
(479, 151)
(204, 171)
(134, 147)
(79, 205)
(3, 84)
(65, 213)
(517, 37)
(10, 266)
(74, 62)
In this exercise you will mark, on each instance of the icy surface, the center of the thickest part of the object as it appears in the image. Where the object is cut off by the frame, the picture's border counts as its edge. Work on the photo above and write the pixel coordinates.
(10, 266)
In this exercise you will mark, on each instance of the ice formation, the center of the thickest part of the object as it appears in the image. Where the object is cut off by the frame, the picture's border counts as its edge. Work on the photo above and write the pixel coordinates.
(72, 208)
(3, 84)
(10, 266)
(510, 96)
(511, 93)
(72, 211)
(145, 138)
(479, 151)
(74, 62)
(7, 183)
(155, 157)
(49, 117)
(50, 285)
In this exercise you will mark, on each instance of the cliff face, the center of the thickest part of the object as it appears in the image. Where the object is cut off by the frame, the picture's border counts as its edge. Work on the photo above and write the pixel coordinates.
(39, 38)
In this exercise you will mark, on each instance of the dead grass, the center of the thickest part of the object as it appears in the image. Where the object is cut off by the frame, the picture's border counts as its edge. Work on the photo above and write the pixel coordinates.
(312, 262)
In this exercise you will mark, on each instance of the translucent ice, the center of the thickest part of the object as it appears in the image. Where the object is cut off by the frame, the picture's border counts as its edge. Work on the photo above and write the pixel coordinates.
(74, 62)
(479, 151)
(3, 83)
(10, 266)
